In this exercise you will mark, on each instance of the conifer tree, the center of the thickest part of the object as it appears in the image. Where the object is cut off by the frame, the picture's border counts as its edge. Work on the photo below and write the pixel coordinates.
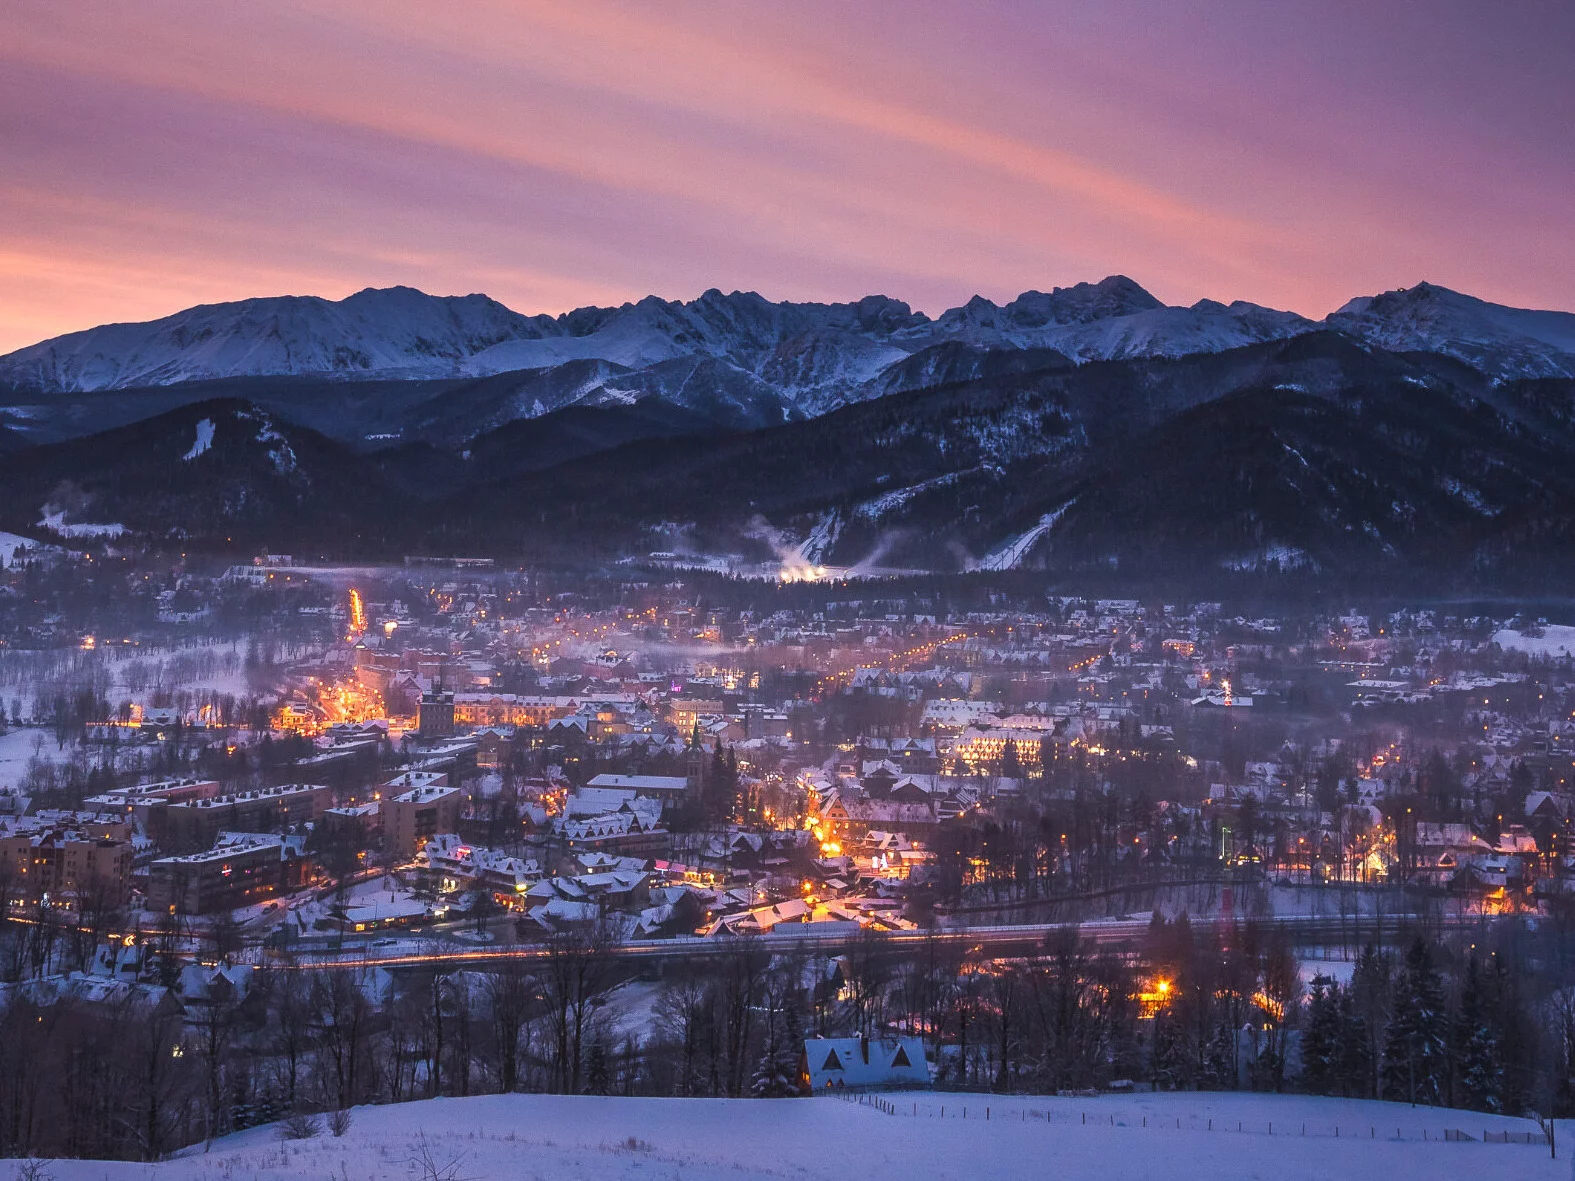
(1321, 1038)
(1353, 1061)
(1167, 1059)
(1478, 1073)
(777, 1074)
(597, 1079)
(1416, 1042)
(1219, 1060)
(1371, 993)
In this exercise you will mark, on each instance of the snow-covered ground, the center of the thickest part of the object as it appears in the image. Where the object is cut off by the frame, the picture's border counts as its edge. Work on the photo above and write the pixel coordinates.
(10, 543)
(1556, 640)
(17, 748)
(573, 1138)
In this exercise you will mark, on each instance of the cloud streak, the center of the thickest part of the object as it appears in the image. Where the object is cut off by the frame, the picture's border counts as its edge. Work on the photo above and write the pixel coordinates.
(180, 151)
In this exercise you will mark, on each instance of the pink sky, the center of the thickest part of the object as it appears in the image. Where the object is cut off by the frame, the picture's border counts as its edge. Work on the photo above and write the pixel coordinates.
(172, 152)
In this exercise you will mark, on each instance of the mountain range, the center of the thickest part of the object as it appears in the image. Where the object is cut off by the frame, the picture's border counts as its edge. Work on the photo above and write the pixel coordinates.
(1090, 431)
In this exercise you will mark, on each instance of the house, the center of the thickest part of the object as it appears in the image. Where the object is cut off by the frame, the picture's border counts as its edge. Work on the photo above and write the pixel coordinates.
(860, 1062)
(670, 789)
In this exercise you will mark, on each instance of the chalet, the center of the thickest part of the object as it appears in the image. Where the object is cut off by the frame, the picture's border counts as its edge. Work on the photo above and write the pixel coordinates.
(861, 1062)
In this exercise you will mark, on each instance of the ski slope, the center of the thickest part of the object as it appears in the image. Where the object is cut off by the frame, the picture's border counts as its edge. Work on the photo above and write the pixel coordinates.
(571, 1138)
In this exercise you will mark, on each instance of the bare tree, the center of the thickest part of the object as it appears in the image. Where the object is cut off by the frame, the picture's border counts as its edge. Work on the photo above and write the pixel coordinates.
(573, 971)
(740, 981)
(685, 1016)
(289, 1033)
(870, 969)
(509, 990)
(342, 1015)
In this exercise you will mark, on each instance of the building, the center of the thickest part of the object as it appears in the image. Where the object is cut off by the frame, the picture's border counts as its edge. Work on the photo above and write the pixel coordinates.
(146, 802)
(986, 747)
(453, 866)
(684, 712)
(632, 831)
(406, 780)
(436, 714)
(66, 863)
(196, 824)
(241, 870)
(360, 826)
(414, 817)
(831, 1062)
(670, 789)
(509, 709)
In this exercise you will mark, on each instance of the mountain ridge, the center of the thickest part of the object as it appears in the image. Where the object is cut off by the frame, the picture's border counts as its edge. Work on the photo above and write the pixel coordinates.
(746, 360)
(1309, 457)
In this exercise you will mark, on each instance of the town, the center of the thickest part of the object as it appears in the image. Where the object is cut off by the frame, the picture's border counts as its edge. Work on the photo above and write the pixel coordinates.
(666, 832)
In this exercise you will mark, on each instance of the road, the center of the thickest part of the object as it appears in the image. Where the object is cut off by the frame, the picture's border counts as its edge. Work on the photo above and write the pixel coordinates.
(1021, 939)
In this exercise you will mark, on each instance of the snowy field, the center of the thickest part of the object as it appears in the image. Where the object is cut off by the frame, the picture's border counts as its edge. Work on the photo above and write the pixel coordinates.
(555, 1138)
(17, 748)
(1557, 640)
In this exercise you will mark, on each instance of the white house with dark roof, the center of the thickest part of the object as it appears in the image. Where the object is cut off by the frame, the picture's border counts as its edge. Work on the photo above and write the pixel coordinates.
(832, 1062)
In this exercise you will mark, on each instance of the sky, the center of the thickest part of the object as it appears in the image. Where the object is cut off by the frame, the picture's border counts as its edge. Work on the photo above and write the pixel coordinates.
(170, 152)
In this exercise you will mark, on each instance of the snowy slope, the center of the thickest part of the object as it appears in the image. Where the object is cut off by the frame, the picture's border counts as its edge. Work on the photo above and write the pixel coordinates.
(1111, 319)
(397, 331)
(575, 1137)
(816, 355)
(1503, 341)
(759, 361)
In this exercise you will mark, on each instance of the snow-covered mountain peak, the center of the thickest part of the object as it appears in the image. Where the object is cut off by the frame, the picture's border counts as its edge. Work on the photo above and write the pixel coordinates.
(764, 360)
(1503, 341)
(1115, 295)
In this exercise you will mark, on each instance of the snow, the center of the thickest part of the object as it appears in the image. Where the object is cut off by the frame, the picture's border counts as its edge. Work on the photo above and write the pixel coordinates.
(398, 331)
(11, 543)
(1470, 496)
(1286, 557)
(889, 502)
(614, 1139)
(280, 452)
(204, 440)
(57, 521)
(1504, 341)
(1015, 550)
(1556, 640)
(788, 359)
(18, 747)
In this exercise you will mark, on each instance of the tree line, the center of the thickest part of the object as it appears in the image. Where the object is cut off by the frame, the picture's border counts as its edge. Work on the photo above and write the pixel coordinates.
(1479, 1021)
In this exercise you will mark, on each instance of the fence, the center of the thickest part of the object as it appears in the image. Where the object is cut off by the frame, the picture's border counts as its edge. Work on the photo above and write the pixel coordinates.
(903, 1106)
